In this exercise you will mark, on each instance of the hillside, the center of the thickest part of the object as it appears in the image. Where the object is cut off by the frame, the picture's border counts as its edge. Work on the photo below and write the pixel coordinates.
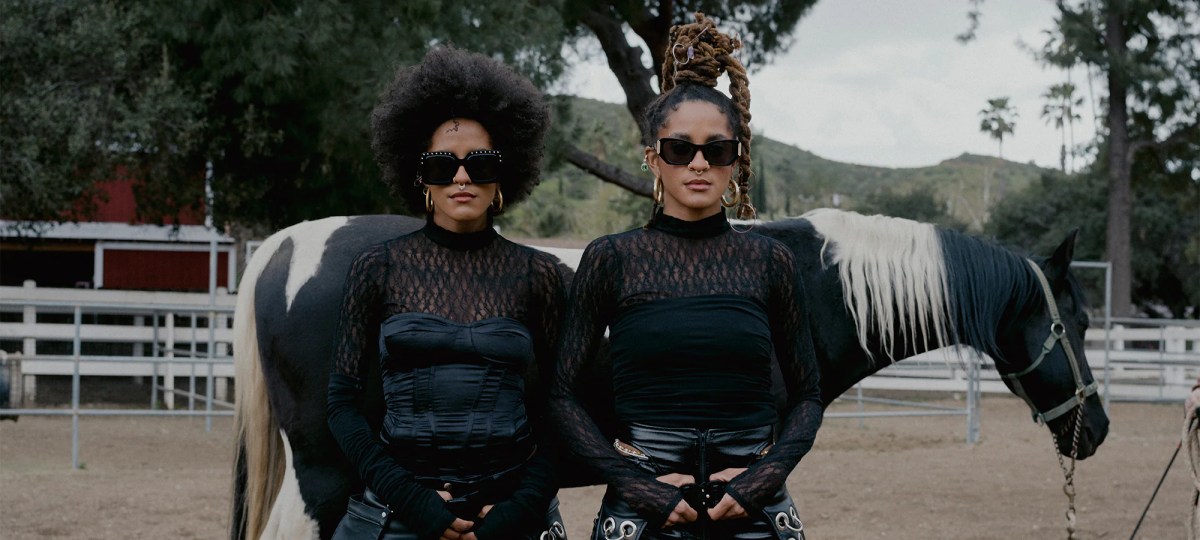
(788, 181)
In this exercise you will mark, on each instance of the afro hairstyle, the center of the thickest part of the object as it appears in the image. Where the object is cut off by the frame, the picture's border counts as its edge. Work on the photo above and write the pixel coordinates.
(454, 83)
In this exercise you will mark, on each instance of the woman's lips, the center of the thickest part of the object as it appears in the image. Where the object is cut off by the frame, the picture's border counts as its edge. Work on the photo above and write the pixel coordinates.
(697, 185)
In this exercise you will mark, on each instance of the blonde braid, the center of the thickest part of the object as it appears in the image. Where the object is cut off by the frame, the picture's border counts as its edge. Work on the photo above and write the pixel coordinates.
(699, 53)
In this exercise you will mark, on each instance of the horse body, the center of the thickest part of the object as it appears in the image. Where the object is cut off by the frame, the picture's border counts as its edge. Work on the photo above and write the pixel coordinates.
(903, 299)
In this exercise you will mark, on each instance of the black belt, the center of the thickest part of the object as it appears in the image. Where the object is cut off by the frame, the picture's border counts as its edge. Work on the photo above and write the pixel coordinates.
(469, 496)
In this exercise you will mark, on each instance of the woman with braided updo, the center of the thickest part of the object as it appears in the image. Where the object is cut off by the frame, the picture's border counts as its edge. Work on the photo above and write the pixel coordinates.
(696, 311)
(457, 322)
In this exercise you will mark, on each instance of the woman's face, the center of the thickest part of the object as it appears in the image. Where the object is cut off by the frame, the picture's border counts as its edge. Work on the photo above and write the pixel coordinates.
(462, 205)
(692, 191)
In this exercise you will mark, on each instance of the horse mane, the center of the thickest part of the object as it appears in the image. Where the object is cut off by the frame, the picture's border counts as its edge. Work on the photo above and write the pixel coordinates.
(892, 276)
(938, 287)
(987, 283)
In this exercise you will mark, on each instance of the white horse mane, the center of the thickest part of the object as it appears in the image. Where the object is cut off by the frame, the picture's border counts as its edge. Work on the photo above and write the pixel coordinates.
(892, 272)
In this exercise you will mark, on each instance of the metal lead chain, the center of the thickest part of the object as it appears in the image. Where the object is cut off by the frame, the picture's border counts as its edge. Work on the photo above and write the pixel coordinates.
(1069, 472)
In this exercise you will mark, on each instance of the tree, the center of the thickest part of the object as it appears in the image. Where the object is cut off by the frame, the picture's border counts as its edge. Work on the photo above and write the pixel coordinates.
(764, 25)
(1145, 51)
(1164, 272)
(276, 96)
(999, 118)
(89, 94)
(1059, 109)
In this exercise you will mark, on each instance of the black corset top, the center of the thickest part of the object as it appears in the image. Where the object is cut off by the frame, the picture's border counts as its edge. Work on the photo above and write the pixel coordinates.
(455, 393)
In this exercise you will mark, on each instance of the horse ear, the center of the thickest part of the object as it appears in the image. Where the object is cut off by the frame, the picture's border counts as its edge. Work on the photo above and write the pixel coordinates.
(1058, 263)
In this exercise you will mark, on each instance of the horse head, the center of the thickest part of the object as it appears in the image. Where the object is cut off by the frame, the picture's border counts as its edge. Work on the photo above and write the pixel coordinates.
(1042, 356)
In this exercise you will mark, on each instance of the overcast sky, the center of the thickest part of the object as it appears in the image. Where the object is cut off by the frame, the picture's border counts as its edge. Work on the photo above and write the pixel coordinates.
(885, 83)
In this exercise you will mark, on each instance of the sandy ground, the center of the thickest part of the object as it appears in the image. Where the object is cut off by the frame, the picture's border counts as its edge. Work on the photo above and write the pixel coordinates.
(896, 478)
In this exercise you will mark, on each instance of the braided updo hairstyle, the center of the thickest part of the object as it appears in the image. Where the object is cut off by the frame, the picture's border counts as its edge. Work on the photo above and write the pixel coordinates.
(698, 55)
(454, 83)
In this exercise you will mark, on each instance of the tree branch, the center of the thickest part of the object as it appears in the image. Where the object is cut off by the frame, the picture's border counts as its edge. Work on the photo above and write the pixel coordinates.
(624, 60)
(1179, 135)
(607, 172)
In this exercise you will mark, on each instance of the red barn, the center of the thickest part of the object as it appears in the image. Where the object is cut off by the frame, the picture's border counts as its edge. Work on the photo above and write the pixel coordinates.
(113, 251)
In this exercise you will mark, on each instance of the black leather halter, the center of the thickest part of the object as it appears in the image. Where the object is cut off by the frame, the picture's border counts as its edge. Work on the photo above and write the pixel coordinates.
(1058, 334)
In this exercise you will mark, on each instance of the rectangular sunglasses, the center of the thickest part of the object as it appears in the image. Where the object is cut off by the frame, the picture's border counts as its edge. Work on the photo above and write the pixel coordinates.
(681, 152)
(439, 168)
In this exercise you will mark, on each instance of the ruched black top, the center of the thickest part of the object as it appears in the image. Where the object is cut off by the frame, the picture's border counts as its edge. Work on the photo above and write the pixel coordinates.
(695, 312)
(700, 361)
(455, 394)
(462, 326)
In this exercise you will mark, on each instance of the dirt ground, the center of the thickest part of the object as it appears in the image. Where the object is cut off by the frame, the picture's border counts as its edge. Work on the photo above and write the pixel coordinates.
(896, 478)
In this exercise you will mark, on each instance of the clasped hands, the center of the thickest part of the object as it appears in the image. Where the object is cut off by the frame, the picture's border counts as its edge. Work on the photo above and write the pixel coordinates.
(703, 494)
(461, 529)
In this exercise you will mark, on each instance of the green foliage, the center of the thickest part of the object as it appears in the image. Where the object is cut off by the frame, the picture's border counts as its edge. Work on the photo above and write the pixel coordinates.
(1060, 109)
(920, 204)
(276, 95)
(1166, 231)
(765, 26)
(89, 93)
(997, 120)
(295, 83)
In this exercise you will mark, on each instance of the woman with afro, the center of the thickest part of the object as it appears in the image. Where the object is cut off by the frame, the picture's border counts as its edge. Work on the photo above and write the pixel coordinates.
(460, 321)
(696, 312)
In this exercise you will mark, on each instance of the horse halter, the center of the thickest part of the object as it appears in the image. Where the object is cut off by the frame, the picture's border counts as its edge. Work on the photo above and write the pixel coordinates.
(1058, 334)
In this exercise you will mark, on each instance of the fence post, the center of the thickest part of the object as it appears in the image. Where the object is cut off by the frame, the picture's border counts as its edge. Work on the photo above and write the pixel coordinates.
(28, 349)
(169, 376)
(76, 350)
(973, 395)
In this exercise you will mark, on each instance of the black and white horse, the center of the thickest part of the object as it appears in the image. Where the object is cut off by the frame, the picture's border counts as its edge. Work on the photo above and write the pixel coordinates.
(877, 288)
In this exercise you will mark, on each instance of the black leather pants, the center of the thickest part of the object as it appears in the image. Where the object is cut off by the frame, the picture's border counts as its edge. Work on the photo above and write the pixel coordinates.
(698, 453)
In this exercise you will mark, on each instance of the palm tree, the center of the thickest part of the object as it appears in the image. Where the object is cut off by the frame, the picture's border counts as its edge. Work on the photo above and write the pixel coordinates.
(998, 118)
(1060, 107)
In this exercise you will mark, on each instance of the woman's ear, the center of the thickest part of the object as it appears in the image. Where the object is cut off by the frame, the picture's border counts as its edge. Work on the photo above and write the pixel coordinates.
(651, 160)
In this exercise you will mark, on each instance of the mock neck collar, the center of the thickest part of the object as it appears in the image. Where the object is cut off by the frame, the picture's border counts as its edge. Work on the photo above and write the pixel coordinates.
(459, 241)
(703, 228)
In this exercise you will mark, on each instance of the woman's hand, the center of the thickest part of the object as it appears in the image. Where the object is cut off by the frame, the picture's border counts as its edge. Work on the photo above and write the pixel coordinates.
(484, 511)
(459, 530)
(727, 508)
(683, 512)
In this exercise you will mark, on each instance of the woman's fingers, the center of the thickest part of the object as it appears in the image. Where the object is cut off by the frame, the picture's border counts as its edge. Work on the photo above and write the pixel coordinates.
(726, 475)
(445, 495)
(683, 513)
(677, 480)
(727, 508)
(484, 512)
(460, 529)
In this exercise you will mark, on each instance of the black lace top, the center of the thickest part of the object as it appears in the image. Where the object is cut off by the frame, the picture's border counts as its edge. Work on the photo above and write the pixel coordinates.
(462, 326)
(712, 272)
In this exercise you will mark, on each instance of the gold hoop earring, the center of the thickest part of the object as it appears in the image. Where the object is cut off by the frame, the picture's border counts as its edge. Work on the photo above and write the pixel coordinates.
(658, 191)
(498, 201)
(428, 201)
(737, 195)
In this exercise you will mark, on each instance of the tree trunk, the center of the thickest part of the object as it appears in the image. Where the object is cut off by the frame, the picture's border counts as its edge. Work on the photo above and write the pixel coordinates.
(1120, 200)
(625, 61)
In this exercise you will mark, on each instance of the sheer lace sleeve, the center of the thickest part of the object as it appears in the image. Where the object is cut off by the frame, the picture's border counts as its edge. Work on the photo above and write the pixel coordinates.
(593, 300)
(418, 507)
(797, 361)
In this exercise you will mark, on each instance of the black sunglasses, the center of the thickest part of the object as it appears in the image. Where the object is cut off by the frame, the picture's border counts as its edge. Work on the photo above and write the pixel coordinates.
(439, 168)
(681, 152)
